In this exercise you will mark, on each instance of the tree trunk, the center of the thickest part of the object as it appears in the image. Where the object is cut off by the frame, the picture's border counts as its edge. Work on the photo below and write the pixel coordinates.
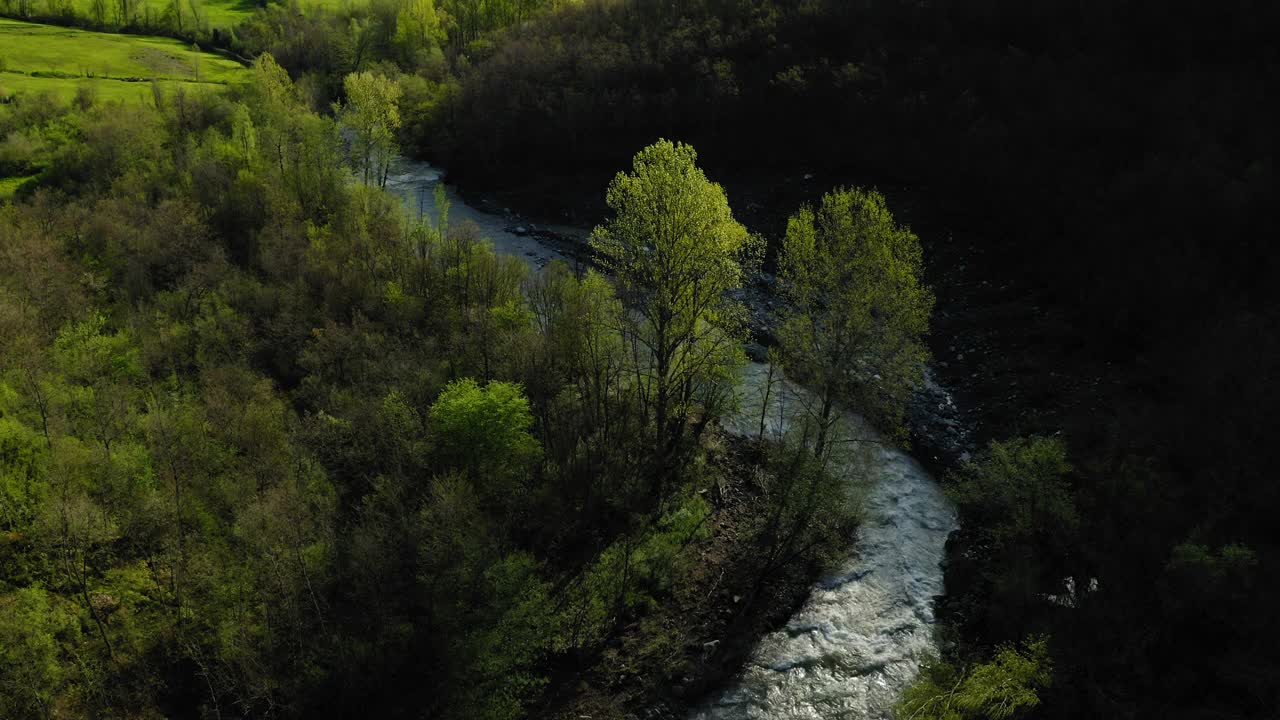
(824, 423)
(83, 578)
(764, 405)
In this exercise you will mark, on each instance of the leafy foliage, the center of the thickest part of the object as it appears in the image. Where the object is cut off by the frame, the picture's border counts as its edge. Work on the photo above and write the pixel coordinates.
(675, 250)
(485, 431)
(857, 308)
(372, 116)
(1019, 491)
(1008, 686)
(1018, 500)
(269, 447)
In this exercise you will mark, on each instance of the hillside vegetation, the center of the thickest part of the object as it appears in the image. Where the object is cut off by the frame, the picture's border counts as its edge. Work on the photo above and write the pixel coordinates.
(271, 448)
(46, 66)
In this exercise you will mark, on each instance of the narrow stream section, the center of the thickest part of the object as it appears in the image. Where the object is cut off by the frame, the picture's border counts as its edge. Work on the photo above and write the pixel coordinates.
(415, 182)
(859, 638)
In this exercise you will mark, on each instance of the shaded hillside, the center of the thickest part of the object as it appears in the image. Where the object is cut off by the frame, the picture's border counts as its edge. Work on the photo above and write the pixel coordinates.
(1107, 170)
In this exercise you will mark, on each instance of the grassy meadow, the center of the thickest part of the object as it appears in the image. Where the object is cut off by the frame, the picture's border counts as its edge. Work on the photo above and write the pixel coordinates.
(183, 17)
(59, 60)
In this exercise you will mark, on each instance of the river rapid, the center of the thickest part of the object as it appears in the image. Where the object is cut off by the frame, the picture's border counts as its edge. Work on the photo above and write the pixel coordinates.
(860, 637)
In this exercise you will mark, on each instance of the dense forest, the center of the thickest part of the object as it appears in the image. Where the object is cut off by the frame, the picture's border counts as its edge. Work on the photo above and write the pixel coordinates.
(274, 445)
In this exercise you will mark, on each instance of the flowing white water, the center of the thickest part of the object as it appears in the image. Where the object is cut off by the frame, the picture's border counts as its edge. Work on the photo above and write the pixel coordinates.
(859, 639)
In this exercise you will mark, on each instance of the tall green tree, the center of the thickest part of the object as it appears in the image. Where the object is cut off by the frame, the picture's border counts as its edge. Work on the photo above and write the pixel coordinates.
(1019, 492)
(484, 431)
(676, 250)
(300, 149)
(1016, 501)
(30, 668)
(580, 347)
(372, 116)
(418, 30)
(856, 308)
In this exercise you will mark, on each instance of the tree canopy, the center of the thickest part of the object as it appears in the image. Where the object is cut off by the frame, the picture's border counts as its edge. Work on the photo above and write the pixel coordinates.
(675, 250)
(857, 309)
(372, 116)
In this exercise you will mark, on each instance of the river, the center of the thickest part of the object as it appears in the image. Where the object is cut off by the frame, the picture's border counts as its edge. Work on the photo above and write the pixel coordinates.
(415, 182)
(859, 638)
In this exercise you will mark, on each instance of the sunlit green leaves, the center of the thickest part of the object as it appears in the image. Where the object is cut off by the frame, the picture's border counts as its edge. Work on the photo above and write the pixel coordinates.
(1008, 686)
(22, 485)
(372, 115)
(484, 430)
(31, 665)
(857, 309)
(676, 250)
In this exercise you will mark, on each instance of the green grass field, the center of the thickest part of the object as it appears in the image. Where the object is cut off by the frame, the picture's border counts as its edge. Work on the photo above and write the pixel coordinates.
(47, 58)
(183, 15)
(104, 90)
(28, 47)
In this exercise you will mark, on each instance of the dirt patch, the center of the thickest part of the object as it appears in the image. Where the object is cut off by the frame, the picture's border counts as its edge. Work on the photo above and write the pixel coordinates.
(163, 63)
